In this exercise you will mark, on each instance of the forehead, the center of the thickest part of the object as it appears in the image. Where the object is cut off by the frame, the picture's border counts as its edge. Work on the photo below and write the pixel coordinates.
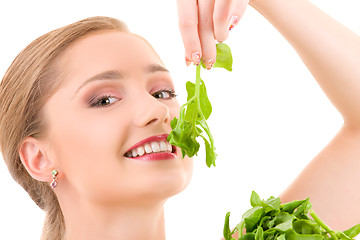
(108, 49)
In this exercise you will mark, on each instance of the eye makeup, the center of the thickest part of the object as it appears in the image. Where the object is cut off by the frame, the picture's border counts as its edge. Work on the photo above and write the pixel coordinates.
(102, 96)
(103, 101)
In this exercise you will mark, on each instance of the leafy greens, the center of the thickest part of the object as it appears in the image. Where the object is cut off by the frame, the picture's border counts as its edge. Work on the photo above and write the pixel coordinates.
(194, 113)
(272, 220)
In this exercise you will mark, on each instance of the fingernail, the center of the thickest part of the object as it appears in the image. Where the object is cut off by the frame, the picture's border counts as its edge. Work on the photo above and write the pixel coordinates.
(233, 22)
(210, 64)
(188, 62)
(196, 58)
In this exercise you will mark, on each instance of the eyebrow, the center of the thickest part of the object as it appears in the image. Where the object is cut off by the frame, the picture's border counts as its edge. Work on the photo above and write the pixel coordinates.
(118, 75)
(152, 68)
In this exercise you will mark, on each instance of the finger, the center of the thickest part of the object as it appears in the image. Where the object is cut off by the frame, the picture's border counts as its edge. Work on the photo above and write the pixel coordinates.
(237, 12)
(206, 32)
(188, 24)
(222, 10)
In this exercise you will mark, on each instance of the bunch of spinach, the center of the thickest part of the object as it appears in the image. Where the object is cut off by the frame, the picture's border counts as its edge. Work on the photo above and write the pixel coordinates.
(194, 113)
(272, 220)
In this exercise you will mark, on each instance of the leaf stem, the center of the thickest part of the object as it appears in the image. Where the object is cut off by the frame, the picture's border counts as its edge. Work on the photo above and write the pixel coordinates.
(197, 97)
(206, 129)
(187, 103)
(322, 224)
(197, 90)
(197, 81)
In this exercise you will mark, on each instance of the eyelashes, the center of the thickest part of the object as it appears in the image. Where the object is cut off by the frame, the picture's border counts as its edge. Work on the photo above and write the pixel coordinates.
(103, 101)
(107, 99)
(165, 94)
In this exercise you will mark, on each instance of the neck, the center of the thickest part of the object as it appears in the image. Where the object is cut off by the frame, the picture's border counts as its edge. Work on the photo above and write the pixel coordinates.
(86, 221)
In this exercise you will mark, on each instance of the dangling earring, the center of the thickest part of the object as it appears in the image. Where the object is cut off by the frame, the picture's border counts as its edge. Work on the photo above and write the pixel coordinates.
(54, 178)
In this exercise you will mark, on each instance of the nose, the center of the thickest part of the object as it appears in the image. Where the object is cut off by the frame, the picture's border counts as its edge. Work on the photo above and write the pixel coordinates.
(149, 111)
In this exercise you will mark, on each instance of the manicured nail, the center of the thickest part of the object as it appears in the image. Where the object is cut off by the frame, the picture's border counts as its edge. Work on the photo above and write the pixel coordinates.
(233, 22)
(196, 58)
(188, 62)
(209, 64)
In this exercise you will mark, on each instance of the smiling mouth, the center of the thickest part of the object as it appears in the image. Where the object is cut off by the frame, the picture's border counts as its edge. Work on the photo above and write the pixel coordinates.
(161, 146)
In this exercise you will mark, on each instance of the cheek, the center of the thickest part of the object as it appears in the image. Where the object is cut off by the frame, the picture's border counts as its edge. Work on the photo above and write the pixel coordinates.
(89, 156)
(87, 148)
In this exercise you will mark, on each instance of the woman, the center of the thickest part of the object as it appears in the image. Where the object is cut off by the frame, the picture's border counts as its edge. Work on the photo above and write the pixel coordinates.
(200, 224)
(332, 54)
(85, 112)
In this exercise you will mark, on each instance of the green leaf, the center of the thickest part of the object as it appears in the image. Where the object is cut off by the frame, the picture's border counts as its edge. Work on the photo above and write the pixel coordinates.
(268, 220)
(352, 232)
(291, 206)
(190, 88)
(270, 204)
(227, 231)
(281, 237)
(251, 223)
(210, 152)
(248, 236)
(303, 209)
(192, 111)
(273, 202)
(173, 123)
(191, 106)
(255, 211)
(283, 221)
(255, 200)
(259, 235)
(205, 104)
(292, 235)
(284, 226)
(183, 137)
(303, 226)
(271, 233)
(223, 57)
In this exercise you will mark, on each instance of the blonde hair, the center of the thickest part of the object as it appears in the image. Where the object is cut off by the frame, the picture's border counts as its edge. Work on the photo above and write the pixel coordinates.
(30, 80)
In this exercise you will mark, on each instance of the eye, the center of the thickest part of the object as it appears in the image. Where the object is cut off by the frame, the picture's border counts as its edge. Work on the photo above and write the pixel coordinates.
(166, 94)
(103, 101)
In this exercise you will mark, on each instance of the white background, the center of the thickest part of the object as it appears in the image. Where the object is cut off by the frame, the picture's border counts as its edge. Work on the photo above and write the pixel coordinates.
(269, 116)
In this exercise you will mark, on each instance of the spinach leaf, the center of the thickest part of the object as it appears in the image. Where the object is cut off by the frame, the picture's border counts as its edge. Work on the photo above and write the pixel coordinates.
(270, 220)
(353, 232)
(194, 113)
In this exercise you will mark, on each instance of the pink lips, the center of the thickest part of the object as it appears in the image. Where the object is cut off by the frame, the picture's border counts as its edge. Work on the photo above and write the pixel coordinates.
(154, 156)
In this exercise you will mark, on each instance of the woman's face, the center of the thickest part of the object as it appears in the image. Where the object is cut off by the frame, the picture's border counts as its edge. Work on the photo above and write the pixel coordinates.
(116, 95)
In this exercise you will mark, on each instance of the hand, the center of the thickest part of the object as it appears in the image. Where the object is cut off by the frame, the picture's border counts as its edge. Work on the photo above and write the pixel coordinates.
(202, 22)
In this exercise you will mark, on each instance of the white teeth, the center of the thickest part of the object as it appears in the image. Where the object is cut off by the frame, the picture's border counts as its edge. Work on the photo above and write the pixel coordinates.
(148, 148)
(134, 152)
(169, 147)
(140, 150)
(155, 147)
(163, 146)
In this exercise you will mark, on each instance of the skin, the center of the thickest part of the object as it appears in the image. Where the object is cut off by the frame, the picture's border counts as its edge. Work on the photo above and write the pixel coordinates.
(214, 19)
(102, 193)
(331, 52)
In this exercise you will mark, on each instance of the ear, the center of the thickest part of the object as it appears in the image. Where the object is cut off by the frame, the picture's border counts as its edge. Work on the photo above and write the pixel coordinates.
(32, 155)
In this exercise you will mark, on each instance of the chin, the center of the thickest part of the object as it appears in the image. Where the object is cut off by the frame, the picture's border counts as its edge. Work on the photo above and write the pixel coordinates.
(171, 181)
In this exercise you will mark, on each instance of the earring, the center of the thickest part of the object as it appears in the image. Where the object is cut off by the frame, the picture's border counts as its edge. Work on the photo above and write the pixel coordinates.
(54, 178)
